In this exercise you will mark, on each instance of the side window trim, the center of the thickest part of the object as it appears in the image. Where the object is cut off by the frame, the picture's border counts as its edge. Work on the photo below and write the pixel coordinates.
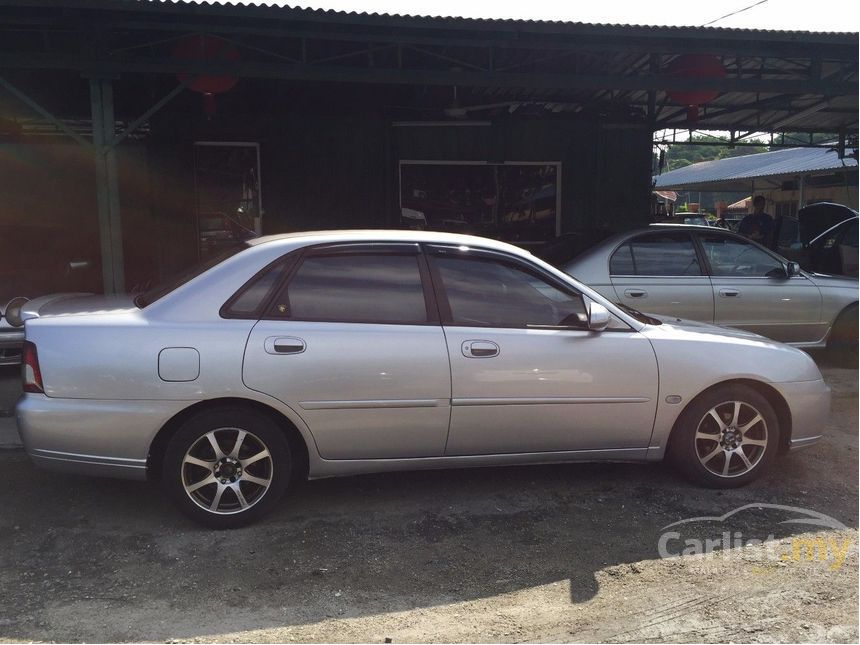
(445, 312)
(357, 248)
(704, 263)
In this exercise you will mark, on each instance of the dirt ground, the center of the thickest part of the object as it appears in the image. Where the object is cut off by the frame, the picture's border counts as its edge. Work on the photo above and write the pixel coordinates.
(555, 553)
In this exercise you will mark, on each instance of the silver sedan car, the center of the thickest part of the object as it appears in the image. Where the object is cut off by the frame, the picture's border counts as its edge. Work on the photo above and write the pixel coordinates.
(335, 353)
(720, 277)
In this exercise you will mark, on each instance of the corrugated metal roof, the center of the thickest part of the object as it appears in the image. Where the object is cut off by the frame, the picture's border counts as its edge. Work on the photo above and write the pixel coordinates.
(472, 22)
(788, 162)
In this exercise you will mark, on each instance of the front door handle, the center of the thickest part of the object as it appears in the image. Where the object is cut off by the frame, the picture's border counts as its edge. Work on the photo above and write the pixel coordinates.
(729, 293)
(479, 349)
(636, 293)
(284, 345)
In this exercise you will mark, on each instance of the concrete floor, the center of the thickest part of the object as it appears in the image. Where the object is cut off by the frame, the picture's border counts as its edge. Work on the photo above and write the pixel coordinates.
(10, 390)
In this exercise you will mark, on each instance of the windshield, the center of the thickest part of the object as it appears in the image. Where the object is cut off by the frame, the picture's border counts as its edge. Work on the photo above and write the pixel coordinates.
(172, 283)
(638, 315)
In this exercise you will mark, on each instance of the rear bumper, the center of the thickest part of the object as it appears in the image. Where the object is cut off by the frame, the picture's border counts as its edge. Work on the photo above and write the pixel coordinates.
(89, 437)
(809, 403)
(11, 341)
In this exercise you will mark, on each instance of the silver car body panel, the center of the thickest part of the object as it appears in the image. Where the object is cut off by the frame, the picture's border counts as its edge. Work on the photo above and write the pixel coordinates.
(357, 386)
(692, 358)
(373, 397)
(799, 311)
(551, 390)
(692, 295)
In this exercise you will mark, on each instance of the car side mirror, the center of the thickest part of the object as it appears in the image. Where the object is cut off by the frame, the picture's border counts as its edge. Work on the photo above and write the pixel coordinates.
(792, 269)
(598, 317)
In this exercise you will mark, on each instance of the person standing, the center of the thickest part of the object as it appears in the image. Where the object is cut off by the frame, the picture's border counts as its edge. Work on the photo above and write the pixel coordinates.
(758, 225)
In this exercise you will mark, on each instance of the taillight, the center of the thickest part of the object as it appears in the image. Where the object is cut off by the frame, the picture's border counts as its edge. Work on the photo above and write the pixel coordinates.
(30, 372)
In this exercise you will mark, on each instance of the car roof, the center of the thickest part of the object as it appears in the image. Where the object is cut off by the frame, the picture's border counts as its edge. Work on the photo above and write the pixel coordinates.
(307, 238)
(681, 226)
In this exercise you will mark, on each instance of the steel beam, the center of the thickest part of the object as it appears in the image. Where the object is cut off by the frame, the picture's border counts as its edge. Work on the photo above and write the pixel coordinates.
(346, 74)
(107, 185)
(33, 105)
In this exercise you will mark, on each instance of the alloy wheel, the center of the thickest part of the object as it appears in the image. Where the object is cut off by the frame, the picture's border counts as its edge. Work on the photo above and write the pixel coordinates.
(227, 471)
(731, 439)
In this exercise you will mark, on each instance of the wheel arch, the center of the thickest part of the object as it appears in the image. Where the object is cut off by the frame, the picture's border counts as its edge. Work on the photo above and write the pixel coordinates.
(298, 447)
(846, 311)
(779, 404)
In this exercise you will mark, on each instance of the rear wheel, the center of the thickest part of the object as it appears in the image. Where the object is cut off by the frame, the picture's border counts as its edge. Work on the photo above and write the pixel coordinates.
(842, 345)
(228, 467)
(726, 438)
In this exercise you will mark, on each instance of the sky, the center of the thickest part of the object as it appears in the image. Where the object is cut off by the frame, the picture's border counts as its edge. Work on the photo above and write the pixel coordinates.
(808, 15)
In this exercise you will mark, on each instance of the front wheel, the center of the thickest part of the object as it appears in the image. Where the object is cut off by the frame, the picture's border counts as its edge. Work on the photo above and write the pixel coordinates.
(726, 438)
(226, 468)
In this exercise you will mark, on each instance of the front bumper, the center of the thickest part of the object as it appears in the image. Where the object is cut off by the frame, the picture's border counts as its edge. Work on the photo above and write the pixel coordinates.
(809, 404)
(91, 437)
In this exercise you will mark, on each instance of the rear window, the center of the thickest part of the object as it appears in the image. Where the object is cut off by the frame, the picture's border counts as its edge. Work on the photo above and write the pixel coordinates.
(170, 284)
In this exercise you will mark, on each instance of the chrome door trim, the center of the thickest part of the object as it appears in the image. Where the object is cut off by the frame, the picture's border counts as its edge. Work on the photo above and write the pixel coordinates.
(561, 400)
(372, 403)
(101, 460)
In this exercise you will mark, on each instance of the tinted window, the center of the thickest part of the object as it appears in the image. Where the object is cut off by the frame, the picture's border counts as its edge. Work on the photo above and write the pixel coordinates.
(382, 288)
(622, 261)
(851, 235)
(491, 293)
(171, 284)
(845, 234)
(789, 232)
(252, 296)
(730, 256)
(658, 254)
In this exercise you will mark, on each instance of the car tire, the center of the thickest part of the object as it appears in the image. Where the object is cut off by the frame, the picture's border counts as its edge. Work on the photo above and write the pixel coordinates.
(246, 478)
(725, 438)
(842, 345)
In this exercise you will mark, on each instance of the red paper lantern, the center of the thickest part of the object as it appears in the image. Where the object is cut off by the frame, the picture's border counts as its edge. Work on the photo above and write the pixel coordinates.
(695, 66)
(205, 48)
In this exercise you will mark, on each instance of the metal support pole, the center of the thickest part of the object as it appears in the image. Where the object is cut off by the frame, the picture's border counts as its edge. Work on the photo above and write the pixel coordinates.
(107, 185)
(801, 189)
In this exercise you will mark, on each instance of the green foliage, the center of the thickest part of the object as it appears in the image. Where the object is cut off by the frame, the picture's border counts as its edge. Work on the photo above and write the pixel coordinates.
(678, 156)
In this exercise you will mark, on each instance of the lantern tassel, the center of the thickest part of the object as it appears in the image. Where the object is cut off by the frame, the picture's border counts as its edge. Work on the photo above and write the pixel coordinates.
(692, 114)
(209, 105)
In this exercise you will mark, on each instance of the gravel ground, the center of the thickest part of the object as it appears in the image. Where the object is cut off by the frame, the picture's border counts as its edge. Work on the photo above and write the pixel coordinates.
(554, 553)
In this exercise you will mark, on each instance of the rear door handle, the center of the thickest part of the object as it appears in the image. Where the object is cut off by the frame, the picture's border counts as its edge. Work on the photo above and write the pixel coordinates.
(479, 349)
(636, 293)
(729, 293)
(284, 345)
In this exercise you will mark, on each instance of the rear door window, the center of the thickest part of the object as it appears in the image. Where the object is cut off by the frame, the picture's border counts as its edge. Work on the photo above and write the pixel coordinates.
(657, 254)
(355, 287)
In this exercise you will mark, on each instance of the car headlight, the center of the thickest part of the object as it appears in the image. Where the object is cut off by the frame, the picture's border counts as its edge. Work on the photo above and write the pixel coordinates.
(13, 311)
